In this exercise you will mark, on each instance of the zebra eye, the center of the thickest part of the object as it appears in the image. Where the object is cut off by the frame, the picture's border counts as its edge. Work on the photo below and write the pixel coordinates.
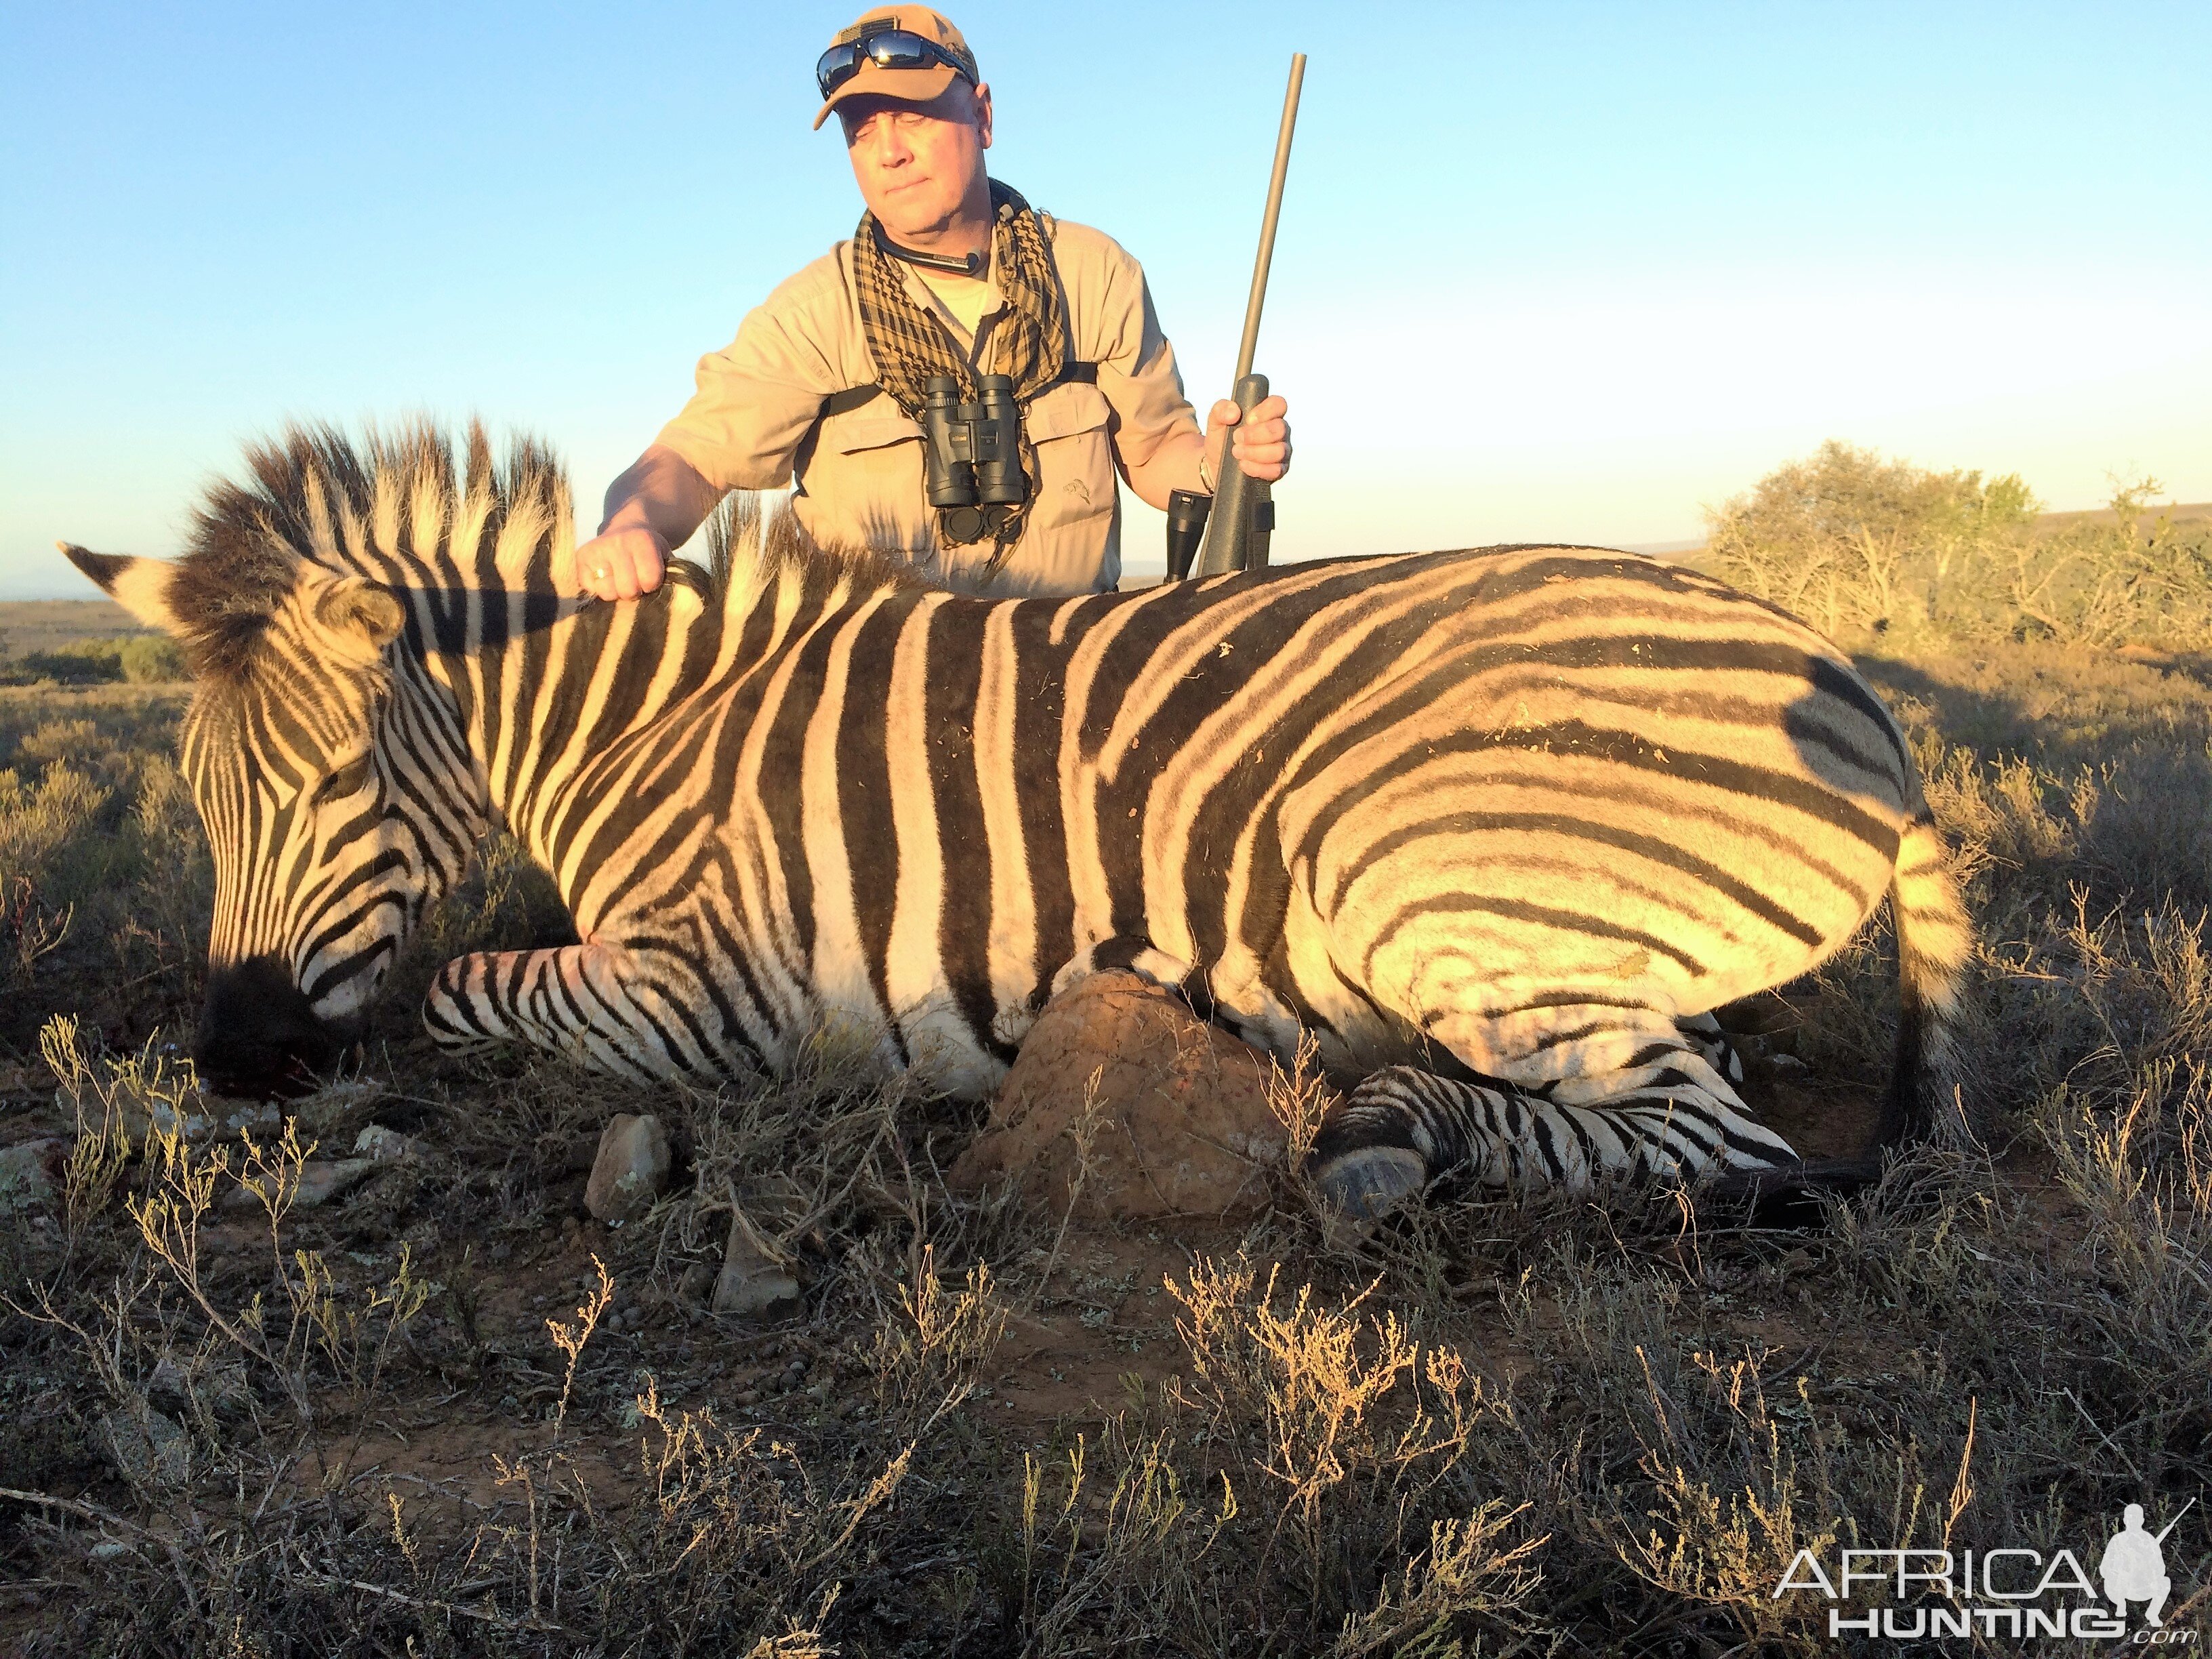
(344, 781)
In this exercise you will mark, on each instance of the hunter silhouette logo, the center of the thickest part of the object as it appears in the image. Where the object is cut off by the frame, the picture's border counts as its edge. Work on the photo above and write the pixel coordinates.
(2015, 1592)
(2133, 1566)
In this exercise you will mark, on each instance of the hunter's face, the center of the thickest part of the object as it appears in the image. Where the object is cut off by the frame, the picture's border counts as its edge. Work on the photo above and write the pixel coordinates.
(917, 163)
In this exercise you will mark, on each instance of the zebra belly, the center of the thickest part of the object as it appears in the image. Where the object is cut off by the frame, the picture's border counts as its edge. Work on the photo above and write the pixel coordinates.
(1542, 919)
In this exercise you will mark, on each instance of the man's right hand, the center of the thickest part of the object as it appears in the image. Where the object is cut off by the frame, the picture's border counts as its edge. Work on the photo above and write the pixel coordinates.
(620, 563)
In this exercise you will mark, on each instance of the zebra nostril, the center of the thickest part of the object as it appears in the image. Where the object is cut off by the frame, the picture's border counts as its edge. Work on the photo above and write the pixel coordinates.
(259, 1034)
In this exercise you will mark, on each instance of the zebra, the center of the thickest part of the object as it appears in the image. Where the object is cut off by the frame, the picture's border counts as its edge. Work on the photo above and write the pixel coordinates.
(1494, 830)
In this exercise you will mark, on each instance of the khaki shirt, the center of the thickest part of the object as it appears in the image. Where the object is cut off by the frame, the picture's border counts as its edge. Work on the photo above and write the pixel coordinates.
(862, 484)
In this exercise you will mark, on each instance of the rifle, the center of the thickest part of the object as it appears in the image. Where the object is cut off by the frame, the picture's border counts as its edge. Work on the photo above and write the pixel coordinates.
(1242, 510)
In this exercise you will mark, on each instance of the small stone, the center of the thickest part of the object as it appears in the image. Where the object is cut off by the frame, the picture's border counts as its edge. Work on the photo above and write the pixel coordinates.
(328, 1109)
(143, 1117)
(220, 1387)
(322, 1180)
(751, 1284)
(168, 1382)
(698, 1280)
(382, 1145)
(631, 1170)
(149, 1447)
(28, 1173)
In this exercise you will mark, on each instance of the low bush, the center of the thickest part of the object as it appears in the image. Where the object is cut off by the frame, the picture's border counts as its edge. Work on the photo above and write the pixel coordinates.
(137, 659)
(1863, 547)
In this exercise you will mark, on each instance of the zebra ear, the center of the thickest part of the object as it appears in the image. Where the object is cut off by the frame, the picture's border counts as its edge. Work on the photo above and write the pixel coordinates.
(139, 586)
(364, 616)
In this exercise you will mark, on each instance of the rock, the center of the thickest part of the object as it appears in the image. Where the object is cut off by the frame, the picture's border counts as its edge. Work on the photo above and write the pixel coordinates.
(698, 1280)
(382, 1145)
(30, 1174)
(752, 1283)
(142, 1117)
(631, 1170)
(169, 1382)
(149, 1447)
(336, 1108)
(320, 1181)
(220, 1387)
(1179, 1120)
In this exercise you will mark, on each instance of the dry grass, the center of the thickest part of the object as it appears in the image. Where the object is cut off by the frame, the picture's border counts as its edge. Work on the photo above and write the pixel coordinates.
(446, 1414)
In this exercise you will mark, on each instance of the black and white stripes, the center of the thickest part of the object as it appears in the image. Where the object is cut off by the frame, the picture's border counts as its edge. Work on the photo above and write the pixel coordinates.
(1504, 817)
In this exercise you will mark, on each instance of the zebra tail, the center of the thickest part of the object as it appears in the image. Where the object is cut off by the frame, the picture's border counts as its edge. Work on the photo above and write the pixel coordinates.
(1935, 939)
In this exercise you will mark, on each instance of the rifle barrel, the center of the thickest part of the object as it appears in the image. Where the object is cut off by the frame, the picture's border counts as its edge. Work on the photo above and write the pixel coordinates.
(2176, 1521)
(1274, 209)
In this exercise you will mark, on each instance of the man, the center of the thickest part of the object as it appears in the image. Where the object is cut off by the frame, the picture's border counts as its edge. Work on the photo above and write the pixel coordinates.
(949, 275)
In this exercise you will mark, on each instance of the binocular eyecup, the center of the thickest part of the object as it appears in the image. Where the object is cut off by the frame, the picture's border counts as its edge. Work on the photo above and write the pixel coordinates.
(1186, 514)
(973, 454)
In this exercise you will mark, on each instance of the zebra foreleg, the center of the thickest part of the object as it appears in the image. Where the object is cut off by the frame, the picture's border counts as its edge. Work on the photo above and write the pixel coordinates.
(1672, 1115)
(589, 1003)
(1705, 1034)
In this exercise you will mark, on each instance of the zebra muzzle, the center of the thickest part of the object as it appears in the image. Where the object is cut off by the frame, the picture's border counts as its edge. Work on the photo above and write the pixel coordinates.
(260, 1037)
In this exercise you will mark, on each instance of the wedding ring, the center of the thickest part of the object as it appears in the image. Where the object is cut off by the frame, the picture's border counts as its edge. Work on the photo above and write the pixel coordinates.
(599, 573)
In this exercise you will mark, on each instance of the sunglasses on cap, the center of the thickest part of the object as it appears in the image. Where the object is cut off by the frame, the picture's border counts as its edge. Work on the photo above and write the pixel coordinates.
(887, 49)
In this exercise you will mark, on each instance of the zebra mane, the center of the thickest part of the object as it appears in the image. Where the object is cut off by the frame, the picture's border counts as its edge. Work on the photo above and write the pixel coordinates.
(392, 507)
(751, 544)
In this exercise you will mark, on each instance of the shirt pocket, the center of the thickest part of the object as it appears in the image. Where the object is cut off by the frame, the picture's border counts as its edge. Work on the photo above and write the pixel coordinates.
(866, 481)
(1071, 427)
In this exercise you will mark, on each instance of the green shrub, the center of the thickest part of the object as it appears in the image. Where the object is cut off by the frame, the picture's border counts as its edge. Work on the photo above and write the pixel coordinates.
(151, 659)
(139, 659)
(83, 663)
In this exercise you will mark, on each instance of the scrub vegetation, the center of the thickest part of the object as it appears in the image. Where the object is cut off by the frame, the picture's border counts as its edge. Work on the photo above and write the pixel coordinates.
(245, 1409)
(82, 643)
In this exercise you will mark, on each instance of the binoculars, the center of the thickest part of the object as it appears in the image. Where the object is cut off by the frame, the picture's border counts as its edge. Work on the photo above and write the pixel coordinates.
(972, 455)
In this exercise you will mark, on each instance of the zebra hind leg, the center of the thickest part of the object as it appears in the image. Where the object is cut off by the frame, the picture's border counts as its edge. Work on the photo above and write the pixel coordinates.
(1670, 1113)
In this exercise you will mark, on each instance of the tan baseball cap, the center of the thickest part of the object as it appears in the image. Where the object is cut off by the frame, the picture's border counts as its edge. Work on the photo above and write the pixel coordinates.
(908, 86)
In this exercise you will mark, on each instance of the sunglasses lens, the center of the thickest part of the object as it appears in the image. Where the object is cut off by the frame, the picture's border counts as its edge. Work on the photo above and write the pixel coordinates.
(836, 66)
(896, 49)
(891, 49)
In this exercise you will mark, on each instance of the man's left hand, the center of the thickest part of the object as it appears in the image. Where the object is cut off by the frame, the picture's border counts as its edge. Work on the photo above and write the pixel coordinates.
(1262, 439)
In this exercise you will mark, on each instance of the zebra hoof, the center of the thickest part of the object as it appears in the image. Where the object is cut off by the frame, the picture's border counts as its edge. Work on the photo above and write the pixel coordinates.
(1370, 1182)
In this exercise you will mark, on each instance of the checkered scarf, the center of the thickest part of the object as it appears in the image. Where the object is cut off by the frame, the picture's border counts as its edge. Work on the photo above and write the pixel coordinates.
(1028, 344)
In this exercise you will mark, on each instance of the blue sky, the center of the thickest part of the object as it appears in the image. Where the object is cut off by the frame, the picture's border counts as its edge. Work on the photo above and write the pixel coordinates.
(1557, 271)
